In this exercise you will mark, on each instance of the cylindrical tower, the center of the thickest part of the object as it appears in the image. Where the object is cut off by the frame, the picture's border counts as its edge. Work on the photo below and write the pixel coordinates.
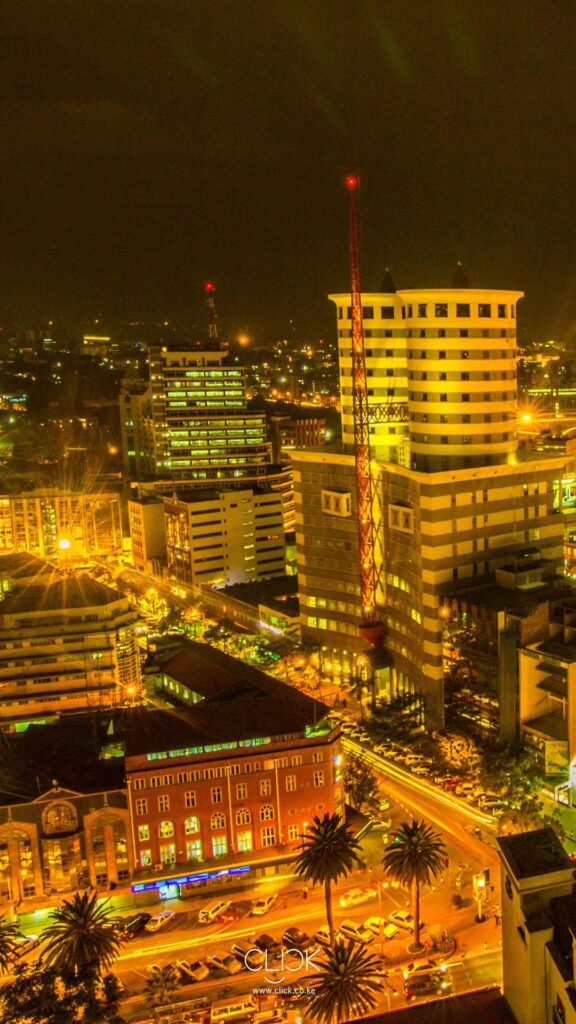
(461, 357)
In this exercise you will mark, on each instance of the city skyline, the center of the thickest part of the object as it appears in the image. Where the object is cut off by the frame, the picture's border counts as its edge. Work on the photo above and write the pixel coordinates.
(144, 155)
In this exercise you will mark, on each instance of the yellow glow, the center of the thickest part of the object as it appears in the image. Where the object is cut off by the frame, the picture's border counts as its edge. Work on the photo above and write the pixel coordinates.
(243, 339)
(64, 544)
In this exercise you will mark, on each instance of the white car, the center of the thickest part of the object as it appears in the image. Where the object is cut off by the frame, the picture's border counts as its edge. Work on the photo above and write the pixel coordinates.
(322, 936)
(380, 926)
(262, 906)
(402, 919)
(159, 921)
(354, 897)
(355, 932)
(423, 966)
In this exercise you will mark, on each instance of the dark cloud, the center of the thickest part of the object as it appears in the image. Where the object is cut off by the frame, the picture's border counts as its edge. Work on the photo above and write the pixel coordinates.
(147, 145)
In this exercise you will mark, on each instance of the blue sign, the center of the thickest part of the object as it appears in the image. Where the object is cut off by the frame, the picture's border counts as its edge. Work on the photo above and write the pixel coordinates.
(203, 876)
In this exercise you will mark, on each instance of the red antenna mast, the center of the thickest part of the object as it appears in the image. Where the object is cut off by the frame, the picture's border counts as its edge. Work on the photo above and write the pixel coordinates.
(371, 627)
(209, 291)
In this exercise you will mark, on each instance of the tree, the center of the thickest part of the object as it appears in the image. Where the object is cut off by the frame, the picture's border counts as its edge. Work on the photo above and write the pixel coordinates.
(328, 851)
(161, 986)
(50, 996)
(359, 780)
(8, 944)
(416, 856)
(346, 985)
(83, 935)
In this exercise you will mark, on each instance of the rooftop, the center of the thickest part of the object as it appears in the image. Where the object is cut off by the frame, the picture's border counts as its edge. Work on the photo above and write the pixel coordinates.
(487, 1004)
(538, 852)
(239, 703)
(60, 595)
(268, 592)
(22, 565)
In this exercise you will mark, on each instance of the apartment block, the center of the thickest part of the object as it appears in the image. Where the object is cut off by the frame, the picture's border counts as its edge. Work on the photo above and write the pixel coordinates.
(49, 522)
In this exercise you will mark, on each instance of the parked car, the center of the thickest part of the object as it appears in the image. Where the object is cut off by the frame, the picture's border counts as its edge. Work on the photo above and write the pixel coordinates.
(208, 915)
(380, 821)
(354, 897)
(384, 803)
(322, 936)
(421, 985)
(159, 921)
(228, 964)
(24, 943)
(380, 926)
(195, 971)
(414, 759)
(403, 919)
(355, 932)
(133, 925)
(420, 769)
(295, 938)
(263, 905)
(249, 956)
(423, 966)
(268, 945)
(451, 783)
(235, 911)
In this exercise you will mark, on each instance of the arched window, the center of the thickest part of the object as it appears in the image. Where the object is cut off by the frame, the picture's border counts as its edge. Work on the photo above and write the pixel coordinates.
(60, 818)
(165, 829)
(243, 816)
(218, 820)
(266, 812)
(191, 825)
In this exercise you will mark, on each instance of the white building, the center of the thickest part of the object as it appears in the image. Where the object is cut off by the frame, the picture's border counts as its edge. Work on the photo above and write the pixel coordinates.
(224, 537)
(538, 928)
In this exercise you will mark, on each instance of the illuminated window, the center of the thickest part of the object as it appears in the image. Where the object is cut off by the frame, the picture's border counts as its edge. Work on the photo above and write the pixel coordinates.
(244, 841)
(165, 829)
(293, 833)
(219, 846)
(191, 825)
(194, 849)
(265, 787)
(318, 778)
(268, 835)
(143, 833)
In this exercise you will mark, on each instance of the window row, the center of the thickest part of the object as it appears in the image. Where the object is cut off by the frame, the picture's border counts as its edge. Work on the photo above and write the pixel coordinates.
(218, 772)
(242, 815)
(194, 850)
(421, 310)
(466, 396)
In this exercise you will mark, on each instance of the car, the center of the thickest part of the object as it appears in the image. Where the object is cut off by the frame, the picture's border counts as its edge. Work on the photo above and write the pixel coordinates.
(423, 966)
(380, 926)
(268, 945)
(354, 897)
(195, 971)
(421, 985)
(250, 956)
(227, 964)
(322, 935)
(235, 911)
(379, 821)
(295, 938)
(384, 804)
(208, 915)
(355, 932)
(159, 921)
(420, 769)
(402, 919)
(263, 905)
(24, 943)
(451, 784)
(414, 759)
(133, 925)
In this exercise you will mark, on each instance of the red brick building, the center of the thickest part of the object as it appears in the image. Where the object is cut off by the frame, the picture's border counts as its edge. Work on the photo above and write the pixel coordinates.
(226, 782)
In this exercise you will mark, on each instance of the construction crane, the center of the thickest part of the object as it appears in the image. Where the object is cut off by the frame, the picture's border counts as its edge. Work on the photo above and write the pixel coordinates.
(371, 625)
(209, 291)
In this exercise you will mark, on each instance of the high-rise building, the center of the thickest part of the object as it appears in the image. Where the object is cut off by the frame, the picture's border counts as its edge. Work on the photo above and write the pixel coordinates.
(193, 424)
(452, 503)
(225, 537)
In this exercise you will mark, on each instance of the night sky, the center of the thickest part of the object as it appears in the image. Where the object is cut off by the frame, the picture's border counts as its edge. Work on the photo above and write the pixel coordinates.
(147, 146)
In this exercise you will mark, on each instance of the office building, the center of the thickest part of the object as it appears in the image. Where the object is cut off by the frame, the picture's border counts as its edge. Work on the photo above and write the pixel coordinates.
(452, 503)
(51, 522)
(66, 642)
(225, 786)
(538, 927)
(147, 526)
(224, 537)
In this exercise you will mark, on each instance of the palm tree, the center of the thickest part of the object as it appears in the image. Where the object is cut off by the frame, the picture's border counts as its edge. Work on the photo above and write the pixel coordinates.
(8, 944)
(83, 937)
(416, 856)
(346, 984)
(328, 850)
(161, 986)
